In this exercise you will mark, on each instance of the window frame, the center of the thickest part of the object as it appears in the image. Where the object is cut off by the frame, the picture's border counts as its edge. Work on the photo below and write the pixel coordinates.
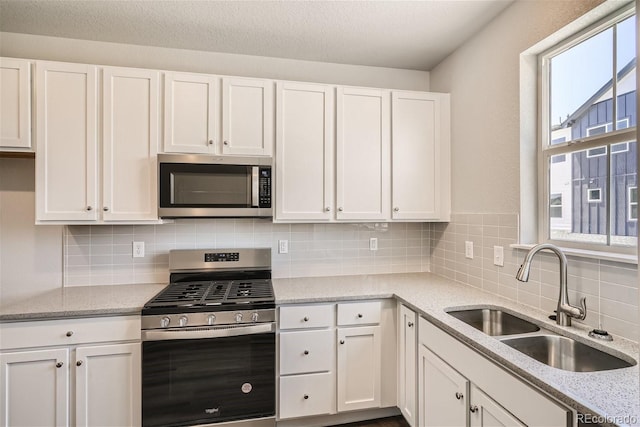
(546, 149)
(630, 204)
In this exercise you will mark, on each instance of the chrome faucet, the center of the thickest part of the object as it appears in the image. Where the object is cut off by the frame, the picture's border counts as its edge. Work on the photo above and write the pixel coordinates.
(565, 311)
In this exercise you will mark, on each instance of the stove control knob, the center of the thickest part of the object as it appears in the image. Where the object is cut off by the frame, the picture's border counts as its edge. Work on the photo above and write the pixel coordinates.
(211, 319)
(183, 320)
(254, 317)
(164, 322)
(238, 317)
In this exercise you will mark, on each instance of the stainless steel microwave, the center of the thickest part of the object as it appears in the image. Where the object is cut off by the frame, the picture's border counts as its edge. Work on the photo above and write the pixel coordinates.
(202, 186)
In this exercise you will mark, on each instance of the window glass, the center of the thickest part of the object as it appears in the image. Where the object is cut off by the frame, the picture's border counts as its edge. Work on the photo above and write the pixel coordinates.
(624, 201)
(626, 76)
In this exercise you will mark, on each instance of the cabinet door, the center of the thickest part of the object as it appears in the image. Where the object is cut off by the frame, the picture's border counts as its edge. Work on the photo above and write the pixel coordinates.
(416, 165)
(247, 117)
(15, 104)
(130, 144)
(358, 368)
(407, 363)
(362, 154)
(485, 412)
(34, 388)
(108, 385)
(442, 391)
(191, 119)
(304, 152)
(66, 142)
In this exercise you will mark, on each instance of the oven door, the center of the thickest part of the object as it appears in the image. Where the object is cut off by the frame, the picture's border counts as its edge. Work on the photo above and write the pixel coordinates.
(205, 376)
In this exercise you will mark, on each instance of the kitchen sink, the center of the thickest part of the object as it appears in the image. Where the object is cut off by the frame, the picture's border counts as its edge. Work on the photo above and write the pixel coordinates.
(494, 322)
(565, 353)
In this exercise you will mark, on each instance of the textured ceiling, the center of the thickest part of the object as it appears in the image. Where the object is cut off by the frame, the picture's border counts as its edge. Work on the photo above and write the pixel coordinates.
(398, 34)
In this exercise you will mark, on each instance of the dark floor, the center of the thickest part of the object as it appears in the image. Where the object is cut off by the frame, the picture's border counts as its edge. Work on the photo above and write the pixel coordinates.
(380, 422)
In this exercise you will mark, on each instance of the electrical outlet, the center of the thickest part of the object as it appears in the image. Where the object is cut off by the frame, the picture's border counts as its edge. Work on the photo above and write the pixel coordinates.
(498, 256)
(138, 249)
(283, 246)
(373, 244)
(468, 249)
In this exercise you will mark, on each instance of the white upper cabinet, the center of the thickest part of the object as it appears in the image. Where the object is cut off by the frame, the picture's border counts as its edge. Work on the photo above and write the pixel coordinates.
(420, 156)
(130, 144)
(247, 117)
(304, 152)
(191, 116)
(362, 154)
(66, 142)
(15, 104)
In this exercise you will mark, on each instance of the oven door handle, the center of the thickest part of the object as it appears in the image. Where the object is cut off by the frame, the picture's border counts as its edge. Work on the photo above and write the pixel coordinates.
(186, 334)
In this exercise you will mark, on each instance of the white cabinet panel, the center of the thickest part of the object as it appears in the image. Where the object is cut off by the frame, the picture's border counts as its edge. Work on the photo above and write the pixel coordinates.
(307, 351)
(358, 368)
(305, 395)
(66, 142)
(191, 118)
(34, 388)
(418, 161)
(304, 152)
(108, 385)
(130, 144)
(485, 412)
(407, 363)
(359, 313)
(362, 154)
(306, 316)
(15, 104)
(247, 117)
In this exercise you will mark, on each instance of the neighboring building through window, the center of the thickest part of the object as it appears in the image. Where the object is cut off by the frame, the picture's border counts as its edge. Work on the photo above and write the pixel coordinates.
(588, 142)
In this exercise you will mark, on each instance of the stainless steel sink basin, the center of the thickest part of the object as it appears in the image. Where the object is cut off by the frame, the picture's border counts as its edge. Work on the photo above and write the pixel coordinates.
(494, 322)
(565, 353)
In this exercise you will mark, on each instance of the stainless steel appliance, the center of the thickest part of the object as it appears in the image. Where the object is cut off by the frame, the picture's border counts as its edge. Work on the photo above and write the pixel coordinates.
(199, 186)
(208, 350)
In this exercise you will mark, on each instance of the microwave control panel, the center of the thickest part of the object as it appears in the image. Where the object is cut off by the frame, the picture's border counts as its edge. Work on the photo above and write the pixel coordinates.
(265, 187)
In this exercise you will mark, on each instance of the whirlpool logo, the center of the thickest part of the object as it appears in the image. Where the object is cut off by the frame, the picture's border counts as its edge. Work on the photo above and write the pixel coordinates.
(212, 411)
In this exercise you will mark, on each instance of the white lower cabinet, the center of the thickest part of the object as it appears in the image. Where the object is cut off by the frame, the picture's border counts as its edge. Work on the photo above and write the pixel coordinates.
(306, 395)
(407, 363)
(459, 387)
(72, 381)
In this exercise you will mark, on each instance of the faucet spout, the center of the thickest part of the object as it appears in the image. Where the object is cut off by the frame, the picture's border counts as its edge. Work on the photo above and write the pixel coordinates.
(565, 310)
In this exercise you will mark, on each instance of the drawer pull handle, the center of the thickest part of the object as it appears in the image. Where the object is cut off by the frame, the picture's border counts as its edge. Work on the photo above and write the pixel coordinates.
(410, 324)
(341, 341)
(359, 315)
(306, 319)
(211, 142)
(79, 363)
(306, 396)
(69, 333)
(459, 395)
(59, 365)
(306, 352)
(473, 408)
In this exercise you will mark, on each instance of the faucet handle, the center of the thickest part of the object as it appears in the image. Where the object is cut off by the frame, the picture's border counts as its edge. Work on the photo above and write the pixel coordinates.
(583, 308)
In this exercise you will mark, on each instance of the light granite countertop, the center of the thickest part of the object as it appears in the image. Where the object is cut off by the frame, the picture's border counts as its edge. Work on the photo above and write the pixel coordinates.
(81, 301)
(612, 396)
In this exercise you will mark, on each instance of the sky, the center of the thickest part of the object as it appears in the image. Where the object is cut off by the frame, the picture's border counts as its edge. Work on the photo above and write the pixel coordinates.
(580, 71)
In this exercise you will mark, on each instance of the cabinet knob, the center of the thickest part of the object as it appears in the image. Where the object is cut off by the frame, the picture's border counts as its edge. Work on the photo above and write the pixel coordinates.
(327, 209)
(341, 341)
(396, 209)
(226, 142)
(106, 209)
(59, 365)
(459, 395)
(359, 315)
(473, 408)
(410, 324)
(306, 396)
(210, 142)
(306, 319)
(69, 333)
(306, 352)
(340, 209)
(89, 208)
(79, 363)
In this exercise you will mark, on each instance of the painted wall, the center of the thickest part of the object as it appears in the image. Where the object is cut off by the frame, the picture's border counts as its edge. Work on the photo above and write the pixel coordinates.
(125, 55)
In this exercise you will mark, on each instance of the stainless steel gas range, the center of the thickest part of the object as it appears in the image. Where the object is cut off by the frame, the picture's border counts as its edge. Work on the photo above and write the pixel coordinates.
(208, 351)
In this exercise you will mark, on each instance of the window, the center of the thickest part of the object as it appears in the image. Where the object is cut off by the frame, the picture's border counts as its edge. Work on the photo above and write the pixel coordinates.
(588, 137)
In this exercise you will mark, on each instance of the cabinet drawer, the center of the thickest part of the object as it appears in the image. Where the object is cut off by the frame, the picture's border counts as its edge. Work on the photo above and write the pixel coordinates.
(306, 316)
(306, 351)
(69, 331)
(304, 395)
(359, 313)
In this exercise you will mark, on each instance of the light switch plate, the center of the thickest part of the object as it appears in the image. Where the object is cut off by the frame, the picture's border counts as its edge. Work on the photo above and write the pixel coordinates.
(137, 249)
(498, 256)
(468, 249)
(283, 246)
(373, 244)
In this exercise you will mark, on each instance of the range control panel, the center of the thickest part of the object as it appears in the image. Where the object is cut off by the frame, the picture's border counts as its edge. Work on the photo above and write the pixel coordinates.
(221, 256)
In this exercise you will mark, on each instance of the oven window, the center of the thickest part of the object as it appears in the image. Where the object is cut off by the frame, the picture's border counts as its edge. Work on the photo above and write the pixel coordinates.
(193, 185)
(189, 382)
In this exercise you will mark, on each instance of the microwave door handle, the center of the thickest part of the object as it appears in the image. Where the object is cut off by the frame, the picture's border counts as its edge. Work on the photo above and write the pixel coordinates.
(255, 181)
